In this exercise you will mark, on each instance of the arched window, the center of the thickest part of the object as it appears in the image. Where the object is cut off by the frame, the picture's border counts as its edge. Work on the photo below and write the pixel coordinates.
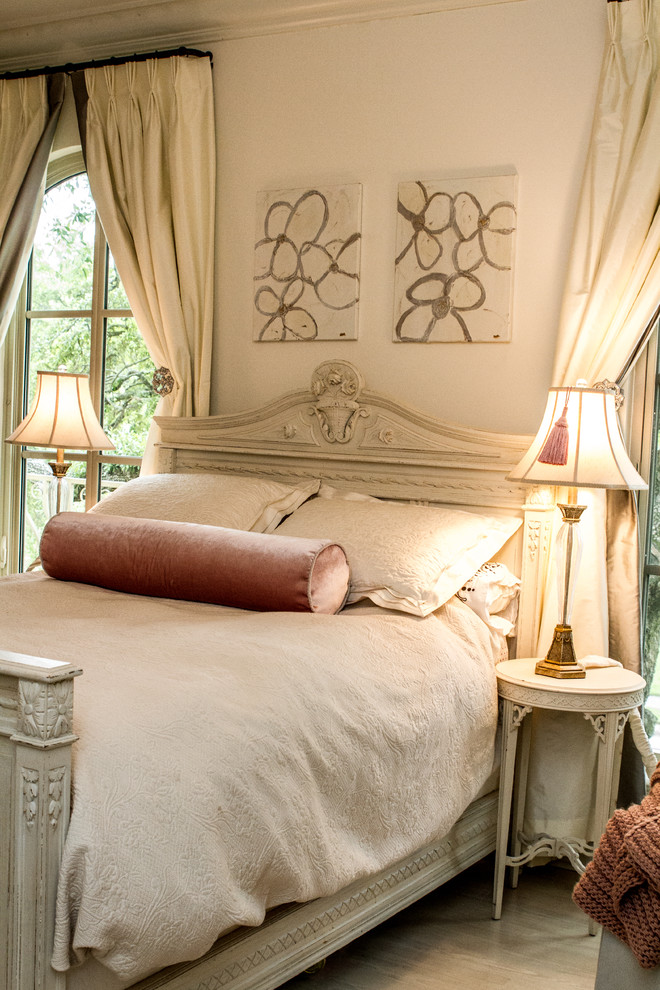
(74, 314)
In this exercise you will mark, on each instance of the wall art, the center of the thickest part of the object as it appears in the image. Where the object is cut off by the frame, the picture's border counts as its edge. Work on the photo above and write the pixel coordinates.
(454, 259)
(307, 264)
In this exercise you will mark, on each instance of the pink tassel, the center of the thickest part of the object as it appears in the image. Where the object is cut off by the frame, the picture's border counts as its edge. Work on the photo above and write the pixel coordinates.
(555, 448)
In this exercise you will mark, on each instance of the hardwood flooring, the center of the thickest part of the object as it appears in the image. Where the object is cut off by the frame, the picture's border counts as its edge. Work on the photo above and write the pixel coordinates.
(448, 941)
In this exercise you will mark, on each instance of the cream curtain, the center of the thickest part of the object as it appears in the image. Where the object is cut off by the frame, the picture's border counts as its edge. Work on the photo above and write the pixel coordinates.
(613, 285)
(148, 136)
(29, 111)
(611, 295)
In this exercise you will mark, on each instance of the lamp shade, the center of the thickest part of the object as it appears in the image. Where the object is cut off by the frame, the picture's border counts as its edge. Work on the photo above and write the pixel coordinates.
(592, 453)
(62, 415)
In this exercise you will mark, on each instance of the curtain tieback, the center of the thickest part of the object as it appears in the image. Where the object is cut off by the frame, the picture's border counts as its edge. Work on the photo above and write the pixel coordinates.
(163, 381)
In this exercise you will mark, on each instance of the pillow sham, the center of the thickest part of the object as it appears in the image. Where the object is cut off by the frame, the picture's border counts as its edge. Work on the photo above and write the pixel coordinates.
(233, 501)
(412, 558)
(197, 563)
(492, 593)
(328, 491)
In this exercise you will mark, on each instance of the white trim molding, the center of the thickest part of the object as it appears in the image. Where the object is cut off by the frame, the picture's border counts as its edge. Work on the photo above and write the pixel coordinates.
(38, 32)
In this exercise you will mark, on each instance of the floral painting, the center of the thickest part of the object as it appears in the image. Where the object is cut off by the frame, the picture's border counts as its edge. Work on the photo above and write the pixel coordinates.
(454, 259)
(307, 264)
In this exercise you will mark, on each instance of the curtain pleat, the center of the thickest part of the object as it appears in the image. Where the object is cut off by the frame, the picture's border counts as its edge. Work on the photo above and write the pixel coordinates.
(613, 265)
(149, 144)
(29, 111)
(611, 293)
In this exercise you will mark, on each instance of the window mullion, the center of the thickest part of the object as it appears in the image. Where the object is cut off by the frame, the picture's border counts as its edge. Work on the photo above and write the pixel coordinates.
(57, 314)
(97, 354)
(11, 411)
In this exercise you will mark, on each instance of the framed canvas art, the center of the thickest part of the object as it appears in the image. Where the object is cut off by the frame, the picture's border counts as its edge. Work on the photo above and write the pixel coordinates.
(454, 259)
(307, 264)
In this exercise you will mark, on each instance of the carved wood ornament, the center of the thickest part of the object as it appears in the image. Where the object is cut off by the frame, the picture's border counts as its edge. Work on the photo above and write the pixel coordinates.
(337, 386)
(45, 710)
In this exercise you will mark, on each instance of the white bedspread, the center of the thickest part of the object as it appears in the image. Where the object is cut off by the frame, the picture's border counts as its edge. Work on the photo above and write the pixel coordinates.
(231, 761)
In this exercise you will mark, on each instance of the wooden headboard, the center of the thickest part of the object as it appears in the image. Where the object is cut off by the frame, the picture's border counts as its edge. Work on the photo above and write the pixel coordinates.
(354, 438)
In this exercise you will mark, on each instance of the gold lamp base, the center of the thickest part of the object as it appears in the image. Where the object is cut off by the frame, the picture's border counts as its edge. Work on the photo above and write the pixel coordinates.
(561, 661)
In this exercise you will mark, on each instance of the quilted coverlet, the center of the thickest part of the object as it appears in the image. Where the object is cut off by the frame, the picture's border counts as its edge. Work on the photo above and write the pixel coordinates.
(230, 761)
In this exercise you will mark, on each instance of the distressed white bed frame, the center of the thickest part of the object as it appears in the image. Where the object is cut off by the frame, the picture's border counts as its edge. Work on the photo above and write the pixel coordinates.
(355, 439)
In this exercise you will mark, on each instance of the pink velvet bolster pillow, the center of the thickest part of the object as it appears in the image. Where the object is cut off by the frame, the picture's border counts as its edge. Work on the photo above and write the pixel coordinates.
(196, 563)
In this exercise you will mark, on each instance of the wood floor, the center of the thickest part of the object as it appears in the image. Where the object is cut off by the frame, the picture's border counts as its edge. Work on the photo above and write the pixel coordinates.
(447, 941)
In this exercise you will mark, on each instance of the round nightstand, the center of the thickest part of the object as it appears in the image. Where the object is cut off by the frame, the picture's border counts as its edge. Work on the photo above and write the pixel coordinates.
(605, 697)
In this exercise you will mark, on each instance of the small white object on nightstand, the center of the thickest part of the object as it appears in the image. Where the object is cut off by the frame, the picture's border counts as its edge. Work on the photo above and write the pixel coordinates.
(605, 697)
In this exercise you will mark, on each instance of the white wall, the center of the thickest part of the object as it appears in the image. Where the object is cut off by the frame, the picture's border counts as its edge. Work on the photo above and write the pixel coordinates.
(453, 93)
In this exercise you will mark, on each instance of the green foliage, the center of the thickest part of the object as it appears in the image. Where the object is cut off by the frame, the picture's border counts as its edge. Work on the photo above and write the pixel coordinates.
(651, 648)
(650, 668)
(62, 279)
(130, 401)
(63, 257)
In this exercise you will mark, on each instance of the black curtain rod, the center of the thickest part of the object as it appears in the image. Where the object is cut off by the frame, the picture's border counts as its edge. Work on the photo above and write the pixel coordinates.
(99, 63)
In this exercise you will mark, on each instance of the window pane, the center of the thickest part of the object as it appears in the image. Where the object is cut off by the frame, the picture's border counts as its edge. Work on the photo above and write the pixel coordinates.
(651, 650)
(116, 298)
(654, 504)
(40, 500)
(63, 258)
(115, 475)
(58, 342)
(129, 401)
(37, 487)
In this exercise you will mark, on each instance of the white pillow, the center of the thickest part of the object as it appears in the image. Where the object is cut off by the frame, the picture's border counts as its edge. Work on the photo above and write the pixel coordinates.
(232, 501)
(493, 594)
(408, 557)
(327, 491)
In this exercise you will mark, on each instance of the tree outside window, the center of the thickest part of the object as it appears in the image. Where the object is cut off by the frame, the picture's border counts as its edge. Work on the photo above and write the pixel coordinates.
(78, 317)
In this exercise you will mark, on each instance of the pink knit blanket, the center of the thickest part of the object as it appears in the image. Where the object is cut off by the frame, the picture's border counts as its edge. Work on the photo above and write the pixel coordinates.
(620, 888)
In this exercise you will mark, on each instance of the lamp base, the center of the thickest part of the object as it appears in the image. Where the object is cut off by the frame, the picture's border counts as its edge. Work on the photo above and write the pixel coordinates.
(560, 660)
(59, 469)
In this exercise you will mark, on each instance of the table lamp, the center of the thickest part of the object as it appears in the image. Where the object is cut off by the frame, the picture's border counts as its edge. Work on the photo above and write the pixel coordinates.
(579, 445)
(61, 416)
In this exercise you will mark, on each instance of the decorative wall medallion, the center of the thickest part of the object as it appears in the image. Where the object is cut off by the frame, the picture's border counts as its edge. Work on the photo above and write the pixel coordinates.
(454, 259)
(337, 385)
(163, 381)
(607, 386)
(307, 264)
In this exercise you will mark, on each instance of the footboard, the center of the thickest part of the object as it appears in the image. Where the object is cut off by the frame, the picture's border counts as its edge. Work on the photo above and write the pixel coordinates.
(36, 711)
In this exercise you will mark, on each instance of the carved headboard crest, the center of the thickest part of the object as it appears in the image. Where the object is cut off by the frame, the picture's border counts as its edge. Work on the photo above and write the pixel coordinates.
(337, 385)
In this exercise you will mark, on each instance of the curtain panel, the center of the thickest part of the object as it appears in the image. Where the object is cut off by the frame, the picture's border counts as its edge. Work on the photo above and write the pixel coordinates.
(148, 137)
(613, 284)
(29, 112)
(612, 293)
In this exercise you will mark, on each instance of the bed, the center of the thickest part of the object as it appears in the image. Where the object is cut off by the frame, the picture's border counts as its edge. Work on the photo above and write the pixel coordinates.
(340, 451)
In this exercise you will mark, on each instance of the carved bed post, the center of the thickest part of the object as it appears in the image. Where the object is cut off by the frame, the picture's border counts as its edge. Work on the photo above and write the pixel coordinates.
(36, 712)
(537, 548)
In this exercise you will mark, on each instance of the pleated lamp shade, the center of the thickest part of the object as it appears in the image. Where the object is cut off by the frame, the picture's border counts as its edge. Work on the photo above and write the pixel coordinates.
(579, 444)
(62, 415)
